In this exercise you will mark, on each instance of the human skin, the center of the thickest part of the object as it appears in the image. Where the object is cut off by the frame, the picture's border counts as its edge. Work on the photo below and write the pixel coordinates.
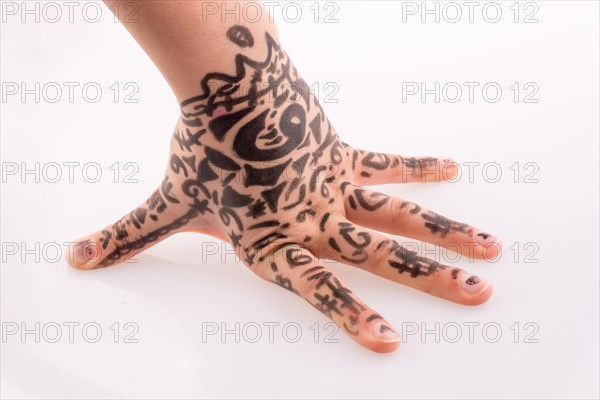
(254, 161)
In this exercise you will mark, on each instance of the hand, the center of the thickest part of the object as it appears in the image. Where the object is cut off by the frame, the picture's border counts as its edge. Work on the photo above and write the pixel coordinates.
(255, 162)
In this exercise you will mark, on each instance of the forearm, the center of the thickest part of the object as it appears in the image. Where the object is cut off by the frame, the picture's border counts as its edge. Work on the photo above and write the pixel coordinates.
(186, 44)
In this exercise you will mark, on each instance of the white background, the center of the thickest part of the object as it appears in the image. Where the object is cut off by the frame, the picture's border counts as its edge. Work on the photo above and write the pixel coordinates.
(178, 288)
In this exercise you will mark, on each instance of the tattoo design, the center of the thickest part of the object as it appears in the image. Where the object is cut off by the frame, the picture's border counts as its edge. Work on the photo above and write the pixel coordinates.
(442, 225)
(254, 158)
(368, 163)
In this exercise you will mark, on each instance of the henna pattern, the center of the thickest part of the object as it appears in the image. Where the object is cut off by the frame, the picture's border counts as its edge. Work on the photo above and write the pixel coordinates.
(375, 200)
(367, 163)
(268, 132)
(254, 155)
(442, 225)
(124, 249)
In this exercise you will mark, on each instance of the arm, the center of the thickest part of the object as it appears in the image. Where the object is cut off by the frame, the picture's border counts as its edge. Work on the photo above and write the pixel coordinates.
(255, 161)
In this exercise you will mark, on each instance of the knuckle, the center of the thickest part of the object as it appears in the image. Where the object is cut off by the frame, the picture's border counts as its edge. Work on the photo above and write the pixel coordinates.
(409, 261)
(379, 256)
(398, 211)
(312, 283)
(261, 270)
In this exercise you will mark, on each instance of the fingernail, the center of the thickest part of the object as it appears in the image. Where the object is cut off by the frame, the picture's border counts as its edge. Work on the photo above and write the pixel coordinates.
(447, 168)
(445, 162)
(82, 253)
(485, 239)
(385, 332)
(473, 283)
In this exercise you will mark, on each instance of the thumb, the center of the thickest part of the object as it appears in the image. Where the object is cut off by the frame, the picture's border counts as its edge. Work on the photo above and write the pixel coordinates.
(137, 231)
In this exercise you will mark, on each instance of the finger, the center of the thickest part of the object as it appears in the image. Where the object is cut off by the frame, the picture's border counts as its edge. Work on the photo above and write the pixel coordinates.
(398, 217)
(296, 269)
(137, 231)
(372, 168)
(351, 244)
